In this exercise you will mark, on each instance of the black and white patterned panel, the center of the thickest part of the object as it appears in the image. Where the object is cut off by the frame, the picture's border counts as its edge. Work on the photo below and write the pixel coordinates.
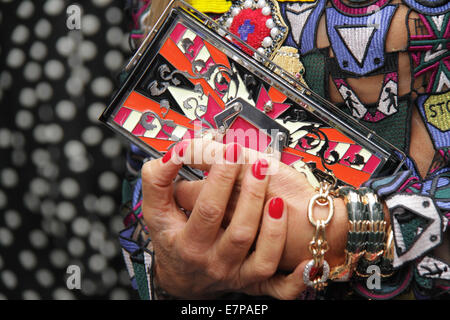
(60, 169)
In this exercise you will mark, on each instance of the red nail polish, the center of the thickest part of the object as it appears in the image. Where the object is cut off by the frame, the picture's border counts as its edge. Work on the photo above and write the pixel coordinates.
(276, 206)
(167, 156)
(259, 169)
(181, 147)
(232, 152)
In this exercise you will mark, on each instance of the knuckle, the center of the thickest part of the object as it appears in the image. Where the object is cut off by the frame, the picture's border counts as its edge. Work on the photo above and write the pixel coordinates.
(241, 237)
(252, 192)
(224, 174)
(191, 255)
(264, 271)
(209, 212)
(275, 234)
(218, 274)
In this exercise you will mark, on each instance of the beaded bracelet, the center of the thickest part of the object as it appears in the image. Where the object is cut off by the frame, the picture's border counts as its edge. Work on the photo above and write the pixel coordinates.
(375, 227)
(356, 239)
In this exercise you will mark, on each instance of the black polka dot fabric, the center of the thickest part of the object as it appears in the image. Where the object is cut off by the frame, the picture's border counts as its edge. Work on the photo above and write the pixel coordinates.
(60, 169)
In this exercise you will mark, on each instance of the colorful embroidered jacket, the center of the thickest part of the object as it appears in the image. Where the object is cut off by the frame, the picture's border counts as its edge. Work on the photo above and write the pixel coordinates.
(406, 46)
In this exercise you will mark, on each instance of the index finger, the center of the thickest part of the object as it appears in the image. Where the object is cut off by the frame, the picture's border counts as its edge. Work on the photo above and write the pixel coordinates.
(206, 217)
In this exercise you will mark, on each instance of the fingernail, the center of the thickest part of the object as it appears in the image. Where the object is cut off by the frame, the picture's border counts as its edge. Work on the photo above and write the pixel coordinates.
(259, 169)
(232, 152)
(167, 156)
(276, 206)
(182, 146)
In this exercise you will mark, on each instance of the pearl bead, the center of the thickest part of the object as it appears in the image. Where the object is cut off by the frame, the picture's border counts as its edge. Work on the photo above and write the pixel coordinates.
(261, 50)
(235, 11)
(274, 32)
(266, 11)
(261, 3)
(248, 4)
(229, 22)
(270, 24)
(267, 42)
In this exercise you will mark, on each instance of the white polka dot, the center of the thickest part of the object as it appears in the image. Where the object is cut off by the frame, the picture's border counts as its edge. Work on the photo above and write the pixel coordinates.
(43, 28)
(18, 139)
(53, 7)
(3, 199)
(44, 91)
(30, 295)
(66, 110)
(9, 177)
(88, 287)
(92, 136)
(74, 86)
(101, 3)
(54, 133)
(108, 181)
(63, 294)
(81, 226)
(111, 148)
(25, 10)
(91, 24)
(45, 278)
(114, 60)
(40, 157)
(83, 74)
(69, 188)
(119, 294)
(32, 71)
(114, 36)
(20, 34)
(114, 15)
(38, 51)
(15, 58)
(39, 187)
(38, 239)
(66, 211)
(12, 219)
(31, 201)
(115, 225)
(48, 208)
(6, 237)
(27, 97)
(9, 279)
(18, 157)
(24, 119)
(109, 277)
(76, 247)
(54, 69)
(65, 46)
(97, 263)
(59, 258)
(5, 138)
(109, 249)
(87, 50)
(79, 164)
(74, 148)
(5, 80)
(27, 259)
(94, 111)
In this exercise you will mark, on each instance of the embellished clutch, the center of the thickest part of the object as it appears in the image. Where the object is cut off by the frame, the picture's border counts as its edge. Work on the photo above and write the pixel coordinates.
(191, 74)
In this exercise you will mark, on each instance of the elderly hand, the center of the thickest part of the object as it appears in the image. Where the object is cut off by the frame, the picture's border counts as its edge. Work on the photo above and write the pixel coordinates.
(197, 257)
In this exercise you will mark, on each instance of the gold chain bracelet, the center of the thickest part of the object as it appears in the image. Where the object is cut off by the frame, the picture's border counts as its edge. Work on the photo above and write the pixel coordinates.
(317, 269)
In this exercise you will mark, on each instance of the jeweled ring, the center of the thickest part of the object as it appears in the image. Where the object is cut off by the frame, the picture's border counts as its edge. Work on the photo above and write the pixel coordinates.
(307, 271)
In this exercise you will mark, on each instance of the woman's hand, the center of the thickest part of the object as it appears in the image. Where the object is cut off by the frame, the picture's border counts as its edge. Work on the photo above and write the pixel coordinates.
(285, 182)
(196, 257)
